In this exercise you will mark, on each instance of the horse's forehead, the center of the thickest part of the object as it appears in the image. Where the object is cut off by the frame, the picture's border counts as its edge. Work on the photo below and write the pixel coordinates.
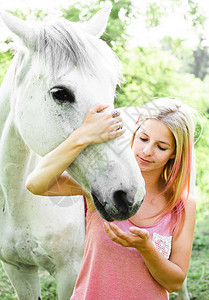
(65, 45)
(69, 75)
(58, 61)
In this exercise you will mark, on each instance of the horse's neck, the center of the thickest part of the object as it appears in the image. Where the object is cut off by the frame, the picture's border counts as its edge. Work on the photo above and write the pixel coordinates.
(13, 158)
(6, 90)
(14, 154)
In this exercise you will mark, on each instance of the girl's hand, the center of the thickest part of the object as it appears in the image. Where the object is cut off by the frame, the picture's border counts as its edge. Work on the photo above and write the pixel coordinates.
(99, 126)
(139, 238)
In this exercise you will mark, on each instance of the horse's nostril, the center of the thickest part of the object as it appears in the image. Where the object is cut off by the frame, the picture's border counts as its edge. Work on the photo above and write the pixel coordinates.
(121, 200)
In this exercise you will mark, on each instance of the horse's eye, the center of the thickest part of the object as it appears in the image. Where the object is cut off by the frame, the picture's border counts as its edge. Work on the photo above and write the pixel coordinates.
(62, 94)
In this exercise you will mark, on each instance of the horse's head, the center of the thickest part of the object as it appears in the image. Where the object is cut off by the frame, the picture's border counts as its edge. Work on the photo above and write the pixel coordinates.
(62, 69)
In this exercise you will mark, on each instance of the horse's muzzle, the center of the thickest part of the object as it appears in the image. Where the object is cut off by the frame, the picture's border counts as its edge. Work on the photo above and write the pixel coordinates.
(121, 207)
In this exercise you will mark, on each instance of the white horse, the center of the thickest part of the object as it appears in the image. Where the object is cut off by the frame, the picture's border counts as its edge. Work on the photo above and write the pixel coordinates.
(60, 70)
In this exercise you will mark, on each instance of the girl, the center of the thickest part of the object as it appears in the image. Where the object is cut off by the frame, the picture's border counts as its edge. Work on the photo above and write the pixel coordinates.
(147, 255)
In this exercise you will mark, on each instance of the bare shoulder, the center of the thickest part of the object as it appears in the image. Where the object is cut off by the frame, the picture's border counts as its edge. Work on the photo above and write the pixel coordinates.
(189, 221)
(190, 206)
(182, 242)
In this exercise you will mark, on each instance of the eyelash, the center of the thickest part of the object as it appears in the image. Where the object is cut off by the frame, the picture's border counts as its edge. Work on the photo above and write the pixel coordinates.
(144, 140)
(162, 149)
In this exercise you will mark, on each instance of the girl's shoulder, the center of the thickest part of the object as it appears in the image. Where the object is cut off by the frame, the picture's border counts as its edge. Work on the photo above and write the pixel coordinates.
(190, 205)
(189, 219)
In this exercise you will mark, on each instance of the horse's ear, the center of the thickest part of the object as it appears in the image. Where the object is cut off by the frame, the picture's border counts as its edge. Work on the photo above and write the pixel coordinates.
(21, 28)
(98, 22)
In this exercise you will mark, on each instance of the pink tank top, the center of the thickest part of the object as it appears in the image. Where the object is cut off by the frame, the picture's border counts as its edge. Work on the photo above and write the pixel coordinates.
(112, 272)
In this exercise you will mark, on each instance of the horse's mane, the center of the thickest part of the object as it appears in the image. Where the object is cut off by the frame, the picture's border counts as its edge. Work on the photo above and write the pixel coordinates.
(63, 43)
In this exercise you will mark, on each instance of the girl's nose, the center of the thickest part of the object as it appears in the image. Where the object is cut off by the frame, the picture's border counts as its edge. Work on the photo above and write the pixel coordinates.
(148, 149)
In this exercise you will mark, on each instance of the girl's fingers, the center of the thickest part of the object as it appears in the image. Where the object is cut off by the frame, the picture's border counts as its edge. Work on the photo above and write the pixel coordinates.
(117, 126)
(103, 126)
(142, 233)
(119, 236)
(118, 231)
(116, 133)
(98, 107)
(116, 120)
(112, 235)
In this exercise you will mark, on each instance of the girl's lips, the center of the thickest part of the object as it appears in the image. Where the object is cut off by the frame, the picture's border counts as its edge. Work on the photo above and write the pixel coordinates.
(144, 160)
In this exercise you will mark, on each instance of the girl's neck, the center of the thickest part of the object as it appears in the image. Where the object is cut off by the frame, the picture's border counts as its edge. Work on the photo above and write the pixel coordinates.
(153, 182)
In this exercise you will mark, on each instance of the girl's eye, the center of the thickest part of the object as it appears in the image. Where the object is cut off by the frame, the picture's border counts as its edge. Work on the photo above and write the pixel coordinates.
(142, 139)
(162, 149)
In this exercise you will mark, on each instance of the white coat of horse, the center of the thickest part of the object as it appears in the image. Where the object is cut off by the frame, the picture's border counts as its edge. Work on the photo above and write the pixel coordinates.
(59, 71)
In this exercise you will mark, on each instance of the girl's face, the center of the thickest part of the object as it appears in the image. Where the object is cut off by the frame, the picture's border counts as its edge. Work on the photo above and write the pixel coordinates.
(153, 146)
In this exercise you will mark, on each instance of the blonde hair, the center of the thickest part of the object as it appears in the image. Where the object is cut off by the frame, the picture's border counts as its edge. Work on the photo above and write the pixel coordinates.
(179, 118)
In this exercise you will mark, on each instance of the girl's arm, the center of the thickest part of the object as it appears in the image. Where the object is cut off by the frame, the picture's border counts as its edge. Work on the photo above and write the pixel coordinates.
(47, 178)
(168, 273)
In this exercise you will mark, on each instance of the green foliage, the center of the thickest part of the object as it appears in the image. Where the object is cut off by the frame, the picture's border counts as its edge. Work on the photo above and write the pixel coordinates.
(5, 58)
(200, 64)
(18, 13)
(47, 282)
(154, 13)
(115, 34)
(36, 14)
(194, 11)
(198, 275)
(48, 286)
(79, 12)
(149, 72)
(194, 61)
(202, 159)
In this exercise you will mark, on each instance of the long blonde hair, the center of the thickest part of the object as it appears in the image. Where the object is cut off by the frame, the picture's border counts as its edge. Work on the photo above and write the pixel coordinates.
(179, 118)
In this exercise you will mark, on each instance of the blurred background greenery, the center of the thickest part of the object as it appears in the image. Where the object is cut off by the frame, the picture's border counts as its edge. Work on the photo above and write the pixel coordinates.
(169, 67)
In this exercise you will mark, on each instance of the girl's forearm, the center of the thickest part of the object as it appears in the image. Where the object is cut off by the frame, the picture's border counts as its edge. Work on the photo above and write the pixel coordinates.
(165, 272)
(97, 127)
(56, 162)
